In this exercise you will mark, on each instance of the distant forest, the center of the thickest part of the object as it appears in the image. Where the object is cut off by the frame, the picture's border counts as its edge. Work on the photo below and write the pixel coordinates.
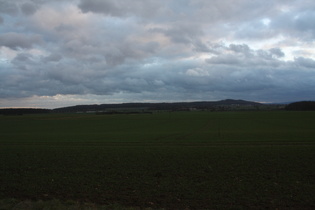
(22, 111)
(176, 106)
(301, 106)
(224, 105)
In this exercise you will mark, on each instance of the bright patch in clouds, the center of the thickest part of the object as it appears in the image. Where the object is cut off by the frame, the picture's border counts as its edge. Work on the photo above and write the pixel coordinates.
(60, 53)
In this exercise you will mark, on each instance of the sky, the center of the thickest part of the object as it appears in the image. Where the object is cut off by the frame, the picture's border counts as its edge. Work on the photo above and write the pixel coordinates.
(56, 53)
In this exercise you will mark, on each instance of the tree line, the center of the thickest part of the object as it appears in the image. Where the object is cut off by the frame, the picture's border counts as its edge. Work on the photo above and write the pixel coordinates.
(301, 106)
(22, 111)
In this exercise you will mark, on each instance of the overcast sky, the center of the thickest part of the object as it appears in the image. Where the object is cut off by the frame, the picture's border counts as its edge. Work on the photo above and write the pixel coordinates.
(57, 53)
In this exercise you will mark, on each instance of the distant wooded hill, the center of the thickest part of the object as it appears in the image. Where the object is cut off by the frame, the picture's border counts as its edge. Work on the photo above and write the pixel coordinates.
(158, 106)
(21, 111)
(301, 106)
(133, 106)
(223, 105)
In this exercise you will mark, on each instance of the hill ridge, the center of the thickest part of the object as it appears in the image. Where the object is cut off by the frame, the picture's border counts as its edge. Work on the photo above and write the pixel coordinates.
(157, 105)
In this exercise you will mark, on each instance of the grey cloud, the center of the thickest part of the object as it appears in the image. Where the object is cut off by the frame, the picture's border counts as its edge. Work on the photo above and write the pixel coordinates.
(114, 42)
(305, 62)
(225, 59)
(22, 57)
(1, 20)
(28, 8)
(277, 52)
(198, 11)
(114, 50)
(259, 82)
(157, 50)
(231, 12)
(217, 48)
(305, 21)
(243, 55)
(169, 80)
(304, 25)
(71, 78)
(183, 33)
(296, 23)
(8, 7)
(15, 40)
(199, 46)
(24, 62)
(290, 19)
(240, 48)
(98, 6)
(119, 8)
(269, 55)
(254, 29)
(52, 58)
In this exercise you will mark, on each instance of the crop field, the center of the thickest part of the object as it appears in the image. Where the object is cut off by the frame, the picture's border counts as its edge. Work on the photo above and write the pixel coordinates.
(164, 160)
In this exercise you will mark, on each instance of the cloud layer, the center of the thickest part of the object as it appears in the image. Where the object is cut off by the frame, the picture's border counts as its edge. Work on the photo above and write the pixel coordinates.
(58, 53)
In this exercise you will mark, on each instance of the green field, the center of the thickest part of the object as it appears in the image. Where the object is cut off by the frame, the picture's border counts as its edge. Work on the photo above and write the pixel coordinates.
(170, 160)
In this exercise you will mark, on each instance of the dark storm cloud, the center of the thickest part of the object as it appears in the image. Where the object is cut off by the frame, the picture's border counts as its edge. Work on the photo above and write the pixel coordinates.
(164, 50)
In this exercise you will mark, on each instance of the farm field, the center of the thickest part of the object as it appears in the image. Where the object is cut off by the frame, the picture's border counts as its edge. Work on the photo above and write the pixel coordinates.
(168, 160)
